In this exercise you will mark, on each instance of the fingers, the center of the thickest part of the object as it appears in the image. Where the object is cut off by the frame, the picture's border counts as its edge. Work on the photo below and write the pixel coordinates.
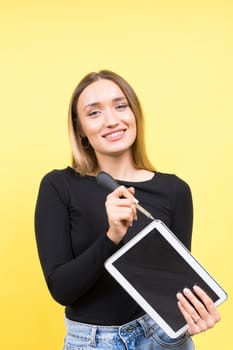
(191, 316)
(123, 197)
(121, 212)
(198, 310)
(208, 302)
(123, 192)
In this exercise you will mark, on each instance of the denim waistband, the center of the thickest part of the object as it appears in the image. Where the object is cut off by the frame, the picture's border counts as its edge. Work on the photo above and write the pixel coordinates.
(92, 333)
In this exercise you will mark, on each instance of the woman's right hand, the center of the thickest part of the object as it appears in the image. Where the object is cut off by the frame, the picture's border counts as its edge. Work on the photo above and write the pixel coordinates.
(121, 212)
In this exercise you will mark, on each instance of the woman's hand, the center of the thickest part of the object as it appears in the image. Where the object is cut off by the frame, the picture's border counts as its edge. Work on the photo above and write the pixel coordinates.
(199, 315)
(121, 211)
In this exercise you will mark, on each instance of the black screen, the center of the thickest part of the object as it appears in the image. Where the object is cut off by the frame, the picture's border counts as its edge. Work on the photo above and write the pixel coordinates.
(155, 269)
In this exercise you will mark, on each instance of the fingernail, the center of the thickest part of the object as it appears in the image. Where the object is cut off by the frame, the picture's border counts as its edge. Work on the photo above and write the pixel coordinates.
(196, 288)
(135, 201)
(186, 291)
(178, 295)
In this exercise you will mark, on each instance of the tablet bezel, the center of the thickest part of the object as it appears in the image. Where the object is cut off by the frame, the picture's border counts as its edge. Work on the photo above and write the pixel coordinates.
(186, 255)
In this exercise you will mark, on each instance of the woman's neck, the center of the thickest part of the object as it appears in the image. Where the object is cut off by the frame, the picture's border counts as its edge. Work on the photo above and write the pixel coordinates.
(123, 168)
(118, 167)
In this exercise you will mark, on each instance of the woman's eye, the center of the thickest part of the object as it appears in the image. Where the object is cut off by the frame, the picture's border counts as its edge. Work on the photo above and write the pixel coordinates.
(122, 106)
(94, 113)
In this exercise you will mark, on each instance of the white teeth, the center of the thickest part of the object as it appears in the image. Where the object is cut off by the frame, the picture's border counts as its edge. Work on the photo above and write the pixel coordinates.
(114, 134)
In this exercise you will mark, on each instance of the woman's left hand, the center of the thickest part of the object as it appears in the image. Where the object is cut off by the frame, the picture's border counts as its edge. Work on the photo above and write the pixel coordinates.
(200, 315)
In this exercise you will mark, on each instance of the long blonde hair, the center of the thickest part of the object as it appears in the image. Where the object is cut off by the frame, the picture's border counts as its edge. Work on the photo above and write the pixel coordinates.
(84, 159)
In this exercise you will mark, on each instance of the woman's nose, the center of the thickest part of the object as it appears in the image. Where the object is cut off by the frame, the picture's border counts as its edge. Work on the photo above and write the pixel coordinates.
(110, 118)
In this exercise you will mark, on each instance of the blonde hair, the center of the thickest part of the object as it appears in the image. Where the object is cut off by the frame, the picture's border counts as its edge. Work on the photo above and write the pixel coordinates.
(84, 159)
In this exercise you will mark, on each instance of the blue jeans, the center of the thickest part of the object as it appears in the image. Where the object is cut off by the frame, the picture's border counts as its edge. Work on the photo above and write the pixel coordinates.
(141, 334)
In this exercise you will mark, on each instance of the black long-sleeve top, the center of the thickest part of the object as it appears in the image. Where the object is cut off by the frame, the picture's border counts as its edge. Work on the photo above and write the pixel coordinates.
(71, 225)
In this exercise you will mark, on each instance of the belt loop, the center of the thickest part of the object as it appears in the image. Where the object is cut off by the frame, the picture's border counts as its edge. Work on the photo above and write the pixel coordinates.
(92, 342)
(145, 325)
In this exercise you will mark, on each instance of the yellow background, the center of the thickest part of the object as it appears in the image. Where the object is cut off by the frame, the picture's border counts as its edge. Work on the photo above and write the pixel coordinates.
(178, 57)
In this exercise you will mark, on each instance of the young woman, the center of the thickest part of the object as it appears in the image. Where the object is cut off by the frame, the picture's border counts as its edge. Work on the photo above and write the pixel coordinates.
(79, 225)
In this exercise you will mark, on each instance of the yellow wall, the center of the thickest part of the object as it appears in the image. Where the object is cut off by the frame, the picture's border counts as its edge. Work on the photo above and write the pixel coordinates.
(178, 56)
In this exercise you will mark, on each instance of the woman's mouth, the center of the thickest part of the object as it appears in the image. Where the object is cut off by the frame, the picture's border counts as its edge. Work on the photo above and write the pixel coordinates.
(115, 135)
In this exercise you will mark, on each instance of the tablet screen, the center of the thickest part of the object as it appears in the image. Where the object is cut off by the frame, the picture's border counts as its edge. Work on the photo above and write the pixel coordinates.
(158, 277)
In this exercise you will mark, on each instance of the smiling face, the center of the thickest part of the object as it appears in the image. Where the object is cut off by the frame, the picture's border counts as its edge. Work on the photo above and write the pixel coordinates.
(106, 118)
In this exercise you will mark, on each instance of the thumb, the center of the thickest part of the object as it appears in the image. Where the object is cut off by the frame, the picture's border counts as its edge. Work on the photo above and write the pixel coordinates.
(131, 190)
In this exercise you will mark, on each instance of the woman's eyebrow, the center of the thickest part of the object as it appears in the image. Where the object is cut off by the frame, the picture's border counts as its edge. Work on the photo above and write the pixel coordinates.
(119, 99)
(95, 104)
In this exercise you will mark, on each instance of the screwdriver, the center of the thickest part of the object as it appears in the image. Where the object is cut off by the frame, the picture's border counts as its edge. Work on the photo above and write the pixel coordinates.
(106, 180)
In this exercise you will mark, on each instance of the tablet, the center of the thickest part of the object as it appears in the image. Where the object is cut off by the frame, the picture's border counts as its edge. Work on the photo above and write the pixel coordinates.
(153, 279)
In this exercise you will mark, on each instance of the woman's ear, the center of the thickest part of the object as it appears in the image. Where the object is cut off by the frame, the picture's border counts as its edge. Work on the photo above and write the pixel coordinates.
(81, 134)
